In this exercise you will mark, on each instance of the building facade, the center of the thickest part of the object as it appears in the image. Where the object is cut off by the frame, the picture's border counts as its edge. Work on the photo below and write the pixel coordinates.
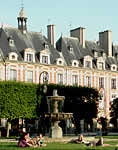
(31, 57)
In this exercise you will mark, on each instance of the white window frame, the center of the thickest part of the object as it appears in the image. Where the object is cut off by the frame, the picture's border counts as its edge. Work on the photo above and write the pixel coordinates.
(60, 60)
(60, 78)
(100, 61)
(112, 68)
(12, 73)
(75, 62)
(88, 81)
(11, 43)
(101, 82)
(31, 53)
(13, 54)
(30, 76)
(113, 83)
(74, 79)
(88, 59)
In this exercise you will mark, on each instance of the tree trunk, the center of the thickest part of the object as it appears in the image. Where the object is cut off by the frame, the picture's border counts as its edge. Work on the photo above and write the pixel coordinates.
(8, 128)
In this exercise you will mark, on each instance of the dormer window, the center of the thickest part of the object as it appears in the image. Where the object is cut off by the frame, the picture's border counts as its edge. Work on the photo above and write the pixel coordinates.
(88, 61)
(87, 64)
(44, 56)
(29, 55)
(46, 46)
(113, 68)
(75, 63)
(103, 54)
(60, 61)
(11, 41)
(45, 59)
(13, 56)
(101, 63)
(95, 54)
(70, 48)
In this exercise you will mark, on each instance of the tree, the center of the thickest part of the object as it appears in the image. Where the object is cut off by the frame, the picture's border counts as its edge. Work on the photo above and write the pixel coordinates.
(114, 111)
(17, 100)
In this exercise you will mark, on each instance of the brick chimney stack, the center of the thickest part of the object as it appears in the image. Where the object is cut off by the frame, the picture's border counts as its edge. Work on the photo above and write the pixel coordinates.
(51, 34)
(105, 39)
(80, 34)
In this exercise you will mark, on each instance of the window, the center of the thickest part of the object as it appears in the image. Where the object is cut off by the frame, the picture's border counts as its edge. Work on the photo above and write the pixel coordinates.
(95, 54)
(45, 59)
(29, 57)
(75, 80)
(101, 65)
(88, 81)
(60, 78)
(11, 42)
(29, 76)
(60, 62)
(87, 64)
(13, 56)
(113, 83)
(101, 82)
(13, 74)
(46, 46)
(113, 96)
(101, 101)
(44, 77)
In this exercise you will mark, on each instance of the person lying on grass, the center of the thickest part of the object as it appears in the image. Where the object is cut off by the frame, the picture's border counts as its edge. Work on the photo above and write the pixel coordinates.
(25, 142)
(79, 140)
(98, 143)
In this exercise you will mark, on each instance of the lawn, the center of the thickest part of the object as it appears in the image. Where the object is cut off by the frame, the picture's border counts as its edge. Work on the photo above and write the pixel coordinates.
(112, 140)
(59, 146)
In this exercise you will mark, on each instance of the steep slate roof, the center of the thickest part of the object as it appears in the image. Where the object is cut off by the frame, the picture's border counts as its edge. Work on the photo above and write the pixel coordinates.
(34, 40)
(78, 52)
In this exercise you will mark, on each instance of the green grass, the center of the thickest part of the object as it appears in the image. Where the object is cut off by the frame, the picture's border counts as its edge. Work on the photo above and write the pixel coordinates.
(58, 146)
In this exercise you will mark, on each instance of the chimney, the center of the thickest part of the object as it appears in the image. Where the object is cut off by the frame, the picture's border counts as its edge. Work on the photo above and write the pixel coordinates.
(80, 34)
(105, 39)
(51, 34)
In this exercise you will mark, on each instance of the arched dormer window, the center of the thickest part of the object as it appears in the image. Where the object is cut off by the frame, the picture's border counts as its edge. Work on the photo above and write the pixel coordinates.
(113, 67)
(75, 63)
(29, 55)
(13, 56)
(60, 62)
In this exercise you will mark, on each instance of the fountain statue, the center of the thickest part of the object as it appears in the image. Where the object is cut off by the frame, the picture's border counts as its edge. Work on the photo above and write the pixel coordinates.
(55, 115)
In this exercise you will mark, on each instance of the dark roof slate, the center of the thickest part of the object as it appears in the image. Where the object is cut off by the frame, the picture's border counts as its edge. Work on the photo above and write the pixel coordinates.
(34, 40)
(78, 52)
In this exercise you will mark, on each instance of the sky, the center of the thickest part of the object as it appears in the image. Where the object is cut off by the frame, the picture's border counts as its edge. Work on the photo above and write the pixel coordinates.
(94, 15)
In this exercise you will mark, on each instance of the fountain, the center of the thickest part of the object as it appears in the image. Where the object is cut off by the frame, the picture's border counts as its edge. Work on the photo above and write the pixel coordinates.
(54, 115)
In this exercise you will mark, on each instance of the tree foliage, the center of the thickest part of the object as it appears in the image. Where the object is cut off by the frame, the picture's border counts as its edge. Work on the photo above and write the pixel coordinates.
(17, 100)
(114, 112)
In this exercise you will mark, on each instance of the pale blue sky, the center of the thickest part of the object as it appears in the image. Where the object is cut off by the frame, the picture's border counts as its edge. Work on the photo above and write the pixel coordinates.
(94, 15)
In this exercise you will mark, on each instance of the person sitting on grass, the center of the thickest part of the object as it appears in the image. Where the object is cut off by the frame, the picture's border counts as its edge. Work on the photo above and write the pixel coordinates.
(79, 140)
(40, 140)
(24, 142)
(98, 143)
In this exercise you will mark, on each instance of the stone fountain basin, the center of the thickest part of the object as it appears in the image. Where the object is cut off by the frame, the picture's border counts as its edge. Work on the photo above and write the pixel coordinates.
(59, 116)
